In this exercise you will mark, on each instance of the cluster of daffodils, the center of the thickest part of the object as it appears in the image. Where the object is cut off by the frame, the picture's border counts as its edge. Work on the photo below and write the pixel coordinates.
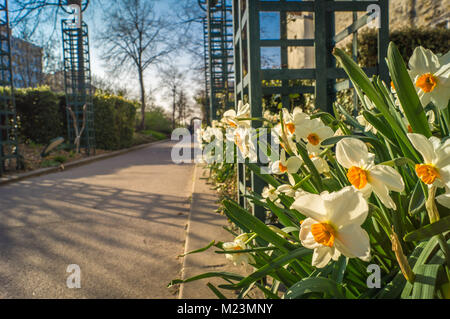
(326, 174)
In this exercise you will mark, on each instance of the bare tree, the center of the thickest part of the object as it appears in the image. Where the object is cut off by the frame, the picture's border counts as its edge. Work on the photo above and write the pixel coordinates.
(135, 36)
(172, 80)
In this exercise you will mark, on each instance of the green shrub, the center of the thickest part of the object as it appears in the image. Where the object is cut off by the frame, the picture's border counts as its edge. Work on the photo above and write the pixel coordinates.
(157, 120)
(114, 121)
(39, 115)
(157, 135)
(42, 116)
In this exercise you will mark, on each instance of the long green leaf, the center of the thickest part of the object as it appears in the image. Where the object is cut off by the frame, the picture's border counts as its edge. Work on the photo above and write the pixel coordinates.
(425, 282)
(216, 291)
(417, 201)
(360, 79)
(314, 284)
(430, 230)
(269, 268)
(235, 212)
(406, 92)
(224, 275)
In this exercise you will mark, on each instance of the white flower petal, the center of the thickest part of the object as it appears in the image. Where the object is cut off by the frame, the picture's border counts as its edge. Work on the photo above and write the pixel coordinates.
(444, 199)
(322, 256)
(388, 176)
(423, 145)
(346, 206)
(293, 164)
(351, 152)
(353, 241)
(381, 190)
(311, 205)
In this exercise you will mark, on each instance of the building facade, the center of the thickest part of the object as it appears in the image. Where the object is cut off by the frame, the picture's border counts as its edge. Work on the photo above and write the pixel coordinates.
(26, 63)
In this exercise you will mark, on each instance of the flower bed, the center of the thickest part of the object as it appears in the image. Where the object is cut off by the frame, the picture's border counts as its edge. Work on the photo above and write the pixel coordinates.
(359, 207)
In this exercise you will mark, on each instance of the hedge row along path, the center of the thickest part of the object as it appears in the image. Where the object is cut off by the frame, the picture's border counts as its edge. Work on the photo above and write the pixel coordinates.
(122, 220)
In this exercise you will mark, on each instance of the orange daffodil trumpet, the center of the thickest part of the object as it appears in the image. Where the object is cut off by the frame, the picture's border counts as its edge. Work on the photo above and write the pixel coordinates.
(290, 165)
(435, 169)
(313, 132)
(364, 174)
(430, 75)
(238, 244)
(333, 226)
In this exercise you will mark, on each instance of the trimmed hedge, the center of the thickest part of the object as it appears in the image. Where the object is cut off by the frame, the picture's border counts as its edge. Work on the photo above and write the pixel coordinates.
(114, 121)
(42, 117)
(39, 115)
(406, 39)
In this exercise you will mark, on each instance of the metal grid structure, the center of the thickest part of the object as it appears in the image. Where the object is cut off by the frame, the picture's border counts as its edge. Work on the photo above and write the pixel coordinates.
(77, 80)
(8, 119)
(253, 82)
(218, 43)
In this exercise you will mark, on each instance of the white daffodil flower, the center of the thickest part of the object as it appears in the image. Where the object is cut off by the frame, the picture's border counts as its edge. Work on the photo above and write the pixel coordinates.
(313, 132)
(435, 169)
(333, 226)
(238, 244)
(367, 126)
(364, 175)
(233, 118)
(320, 163)
(242, 137)
(271, 193)
(290, 165)
(430, 77)
(285, 140)
(288, 189)
(291, 121)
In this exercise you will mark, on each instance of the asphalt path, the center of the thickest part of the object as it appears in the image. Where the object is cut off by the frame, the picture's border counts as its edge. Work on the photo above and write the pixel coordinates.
(121, 220)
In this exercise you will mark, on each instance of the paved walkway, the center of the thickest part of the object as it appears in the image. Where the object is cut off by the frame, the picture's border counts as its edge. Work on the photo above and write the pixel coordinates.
(123, 220)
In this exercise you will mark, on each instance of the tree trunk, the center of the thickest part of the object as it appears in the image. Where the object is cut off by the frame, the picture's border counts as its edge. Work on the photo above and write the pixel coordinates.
(141, 83)
(174, 93)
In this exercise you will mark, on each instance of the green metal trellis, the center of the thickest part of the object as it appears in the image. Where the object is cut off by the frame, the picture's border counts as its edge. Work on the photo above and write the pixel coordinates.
(218, 42)
(8, 118)
(77, 80)
(253, 82)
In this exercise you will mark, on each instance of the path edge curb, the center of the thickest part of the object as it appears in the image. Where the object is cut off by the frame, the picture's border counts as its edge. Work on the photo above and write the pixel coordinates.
(188, 231)
(84, 161)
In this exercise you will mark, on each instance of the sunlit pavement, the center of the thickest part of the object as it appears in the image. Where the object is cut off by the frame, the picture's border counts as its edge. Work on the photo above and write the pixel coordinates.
(122, 220)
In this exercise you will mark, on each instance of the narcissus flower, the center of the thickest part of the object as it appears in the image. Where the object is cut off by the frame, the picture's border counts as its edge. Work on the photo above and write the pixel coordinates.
(364, 175)
(367, 126)
(291, 121)
(435, 169)
(238, 244)
(320, 163)
(270, 192)
(431, 77)
(288, 189)
(333, 226)
(234, 119)
(290, 165)
(242, 137)
(314, 132)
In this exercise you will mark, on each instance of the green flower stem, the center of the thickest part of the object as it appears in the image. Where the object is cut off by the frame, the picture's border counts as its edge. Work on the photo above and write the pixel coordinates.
(251, 238)
(430, 205)
(299, 184)
(433, 214)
